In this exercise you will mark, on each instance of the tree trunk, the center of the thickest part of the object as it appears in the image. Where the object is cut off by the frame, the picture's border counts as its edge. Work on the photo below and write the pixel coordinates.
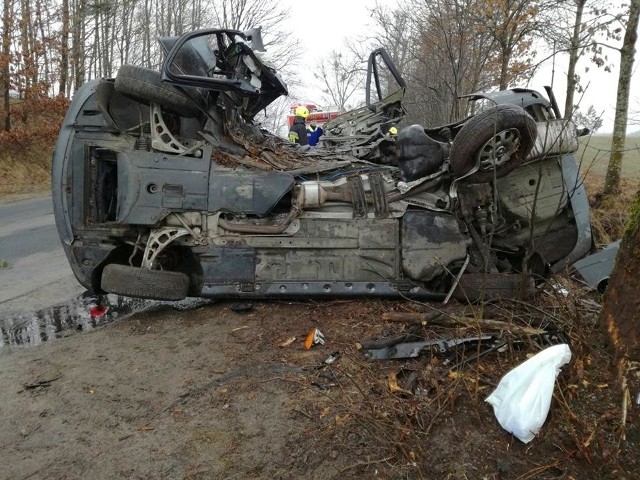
(619, 316)
(627, 53)
(64, 48)
(25, 81)
(504, 70)
(96, 58)
(77, 44)
(147, 34)
(46, 52)
(6, 61)
(573, 59)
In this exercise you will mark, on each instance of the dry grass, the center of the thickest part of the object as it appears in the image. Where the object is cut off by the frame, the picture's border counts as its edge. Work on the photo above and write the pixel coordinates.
(608, 218)
(25, 150)
(24, 175)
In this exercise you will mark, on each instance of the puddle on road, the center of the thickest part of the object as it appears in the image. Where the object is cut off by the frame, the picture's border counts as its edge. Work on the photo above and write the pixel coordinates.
(32, 329)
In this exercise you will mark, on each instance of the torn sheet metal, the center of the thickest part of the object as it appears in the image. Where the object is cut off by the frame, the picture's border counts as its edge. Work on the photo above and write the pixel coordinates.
(595, 270)
(413, 349)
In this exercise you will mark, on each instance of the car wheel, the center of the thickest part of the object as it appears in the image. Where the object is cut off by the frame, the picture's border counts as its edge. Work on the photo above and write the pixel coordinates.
(144, 283)
(474, 287)
(498, 139)
(144, 84)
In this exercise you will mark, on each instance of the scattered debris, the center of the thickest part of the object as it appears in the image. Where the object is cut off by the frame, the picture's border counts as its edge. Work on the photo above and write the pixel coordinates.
(453, 321)
(314, 337)
(325, 377)
(522, 399)
(412, 349)
(404, 381)
(146, 428)
(558, 289)
(417, 318)
(41, 383)
(44, 379)
(287, 342)
(237, 329)
(595, 270)
(241, 307)
(331, 358)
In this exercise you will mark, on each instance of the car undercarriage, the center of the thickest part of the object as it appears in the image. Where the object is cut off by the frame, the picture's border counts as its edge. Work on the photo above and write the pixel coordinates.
(165, 187)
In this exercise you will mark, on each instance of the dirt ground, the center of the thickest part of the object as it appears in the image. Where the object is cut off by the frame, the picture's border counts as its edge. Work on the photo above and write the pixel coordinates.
(209, 393)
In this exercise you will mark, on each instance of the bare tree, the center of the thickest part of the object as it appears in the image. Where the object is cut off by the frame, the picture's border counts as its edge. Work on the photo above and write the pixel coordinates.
(579, 27)
(46, 44)
(268, 14)
(627, 55)
(442, 51)
(457, 52)
(25, 71)
(64, 47)
(78, 44)
(273, 119)
(512, 24)
(634, 115)
(589, 118)
(574, 54)
(393, 31)
(5, 61)
(342, 75)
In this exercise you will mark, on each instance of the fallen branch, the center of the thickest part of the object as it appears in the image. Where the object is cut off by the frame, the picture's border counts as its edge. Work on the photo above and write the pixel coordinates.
(364, 464)
(406, 317)
(431, 319)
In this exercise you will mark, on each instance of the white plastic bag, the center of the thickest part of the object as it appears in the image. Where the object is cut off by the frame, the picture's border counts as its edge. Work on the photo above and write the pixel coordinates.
(522, 398)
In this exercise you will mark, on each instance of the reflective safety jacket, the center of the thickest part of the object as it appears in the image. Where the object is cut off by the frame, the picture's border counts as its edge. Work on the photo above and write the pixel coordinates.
(298, 132)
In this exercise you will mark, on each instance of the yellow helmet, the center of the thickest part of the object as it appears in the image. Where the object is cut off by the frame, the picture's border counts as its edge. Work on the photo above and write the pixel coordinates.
(302, 111)
(393, 131)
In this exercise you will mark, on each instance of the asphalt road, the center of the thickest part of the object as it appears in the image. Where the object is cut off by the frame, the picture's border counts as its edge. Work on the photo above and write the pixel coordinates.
(38, 275)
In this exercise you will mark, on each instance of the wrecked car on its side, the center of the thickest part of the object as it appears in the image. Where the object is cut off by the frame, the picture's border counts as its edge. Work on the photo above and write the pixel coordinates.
(164, 187)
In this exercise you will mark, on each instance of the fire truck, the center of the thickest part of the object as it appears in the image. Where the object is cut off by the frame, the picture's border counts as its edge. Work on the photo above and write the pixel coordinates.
(316, 114)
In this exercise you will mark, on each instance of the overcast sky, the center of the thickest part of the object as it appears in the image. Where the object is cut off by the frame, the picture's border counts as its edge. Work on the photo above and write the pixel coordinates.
(324, 26)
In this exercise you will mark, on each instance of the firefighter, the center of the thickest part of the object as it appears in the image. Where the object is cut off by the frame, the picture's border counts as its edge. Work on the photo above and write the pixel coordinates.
(298, 131)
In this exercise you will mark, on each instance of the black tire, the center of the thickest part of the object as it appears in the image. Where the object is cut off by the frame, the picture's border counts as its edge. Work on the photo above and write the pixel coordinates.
(474, 287)
(505, 128)
(145, 85)
(144, 283)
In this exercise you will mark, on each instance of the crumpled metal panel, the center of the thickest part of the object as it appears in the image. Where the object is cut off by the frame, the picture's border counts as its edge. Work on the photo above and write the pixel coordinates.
(595, 269)
(555, 137)
(430, 242)
(247, 192)
(151, 184)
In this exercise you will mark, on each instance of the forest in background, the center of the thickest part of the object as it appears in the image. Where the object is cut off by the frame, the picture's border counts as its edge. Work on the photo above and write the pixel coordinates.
(443, 48)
